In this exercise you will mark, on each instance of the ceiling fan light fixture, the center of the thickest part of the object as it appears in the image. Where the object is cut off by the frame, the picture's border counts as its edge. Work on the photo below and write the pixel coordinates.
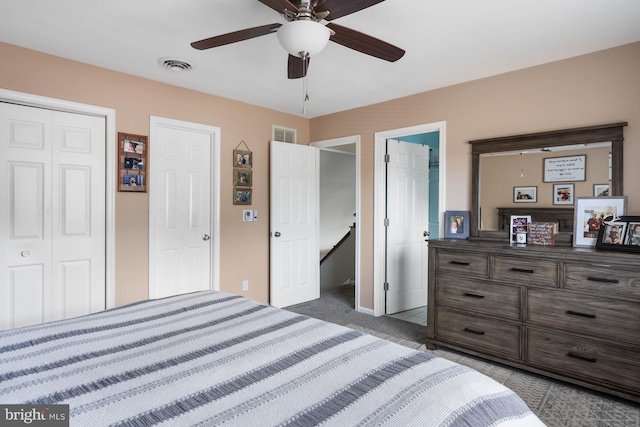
(303, 37)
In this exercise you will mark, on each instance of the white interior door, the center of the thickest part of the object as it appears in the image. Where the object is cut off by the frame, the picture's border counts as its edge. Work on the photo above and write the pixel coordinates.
(295, 254)
(52, 215)
(408, 218)
(181, 214)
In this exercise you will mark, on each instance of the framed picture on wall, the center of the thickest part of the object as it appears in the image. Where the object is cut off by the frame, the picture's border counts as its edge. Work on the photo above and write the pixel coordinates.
(563, 194)
(242, 159)
(525, 194)
(562, 169)
(241, 177)
(241, 196)
(600, 190)
(132, 162)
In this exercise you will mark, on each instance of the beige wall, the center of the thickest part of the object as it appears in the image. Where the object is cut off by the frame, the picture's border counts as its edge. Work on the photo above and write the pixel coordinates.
(500, 174)
(135, 99)
(593, 89)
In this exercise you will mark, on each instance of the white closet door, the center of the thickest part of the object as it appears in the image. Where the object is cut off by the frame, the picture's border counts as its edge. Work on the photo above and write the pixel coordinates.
(52, 215)
(181, 218)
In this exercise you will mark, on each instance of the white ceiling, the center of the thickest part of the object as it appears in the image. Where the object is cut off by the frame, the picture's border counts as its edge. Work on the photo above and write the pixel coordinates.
(447, 42)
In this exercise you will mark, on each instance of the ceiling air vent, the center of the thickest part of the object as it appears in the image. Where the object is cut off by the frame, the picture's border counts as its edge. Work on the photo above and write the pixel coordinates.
(281, 134)
(175, 64)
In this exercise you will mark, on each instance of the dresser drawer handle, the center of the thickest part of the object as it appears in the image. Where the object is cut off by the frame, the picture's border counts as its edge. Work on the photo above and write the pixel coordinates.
(459, 263)
(523, 270)
(577, 313)
(467, 294)
(600, 279)
(586, 359)
(473, 331)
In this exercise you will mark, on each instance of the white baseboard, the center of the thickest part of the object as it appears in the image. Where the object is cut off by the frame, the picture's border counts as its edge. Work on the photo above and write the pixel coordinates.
(365, 311)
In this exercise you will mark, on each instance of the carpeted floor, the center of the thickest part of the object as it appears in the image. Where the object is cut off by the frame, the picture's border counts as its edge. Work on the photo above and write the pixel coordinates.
(555, 402)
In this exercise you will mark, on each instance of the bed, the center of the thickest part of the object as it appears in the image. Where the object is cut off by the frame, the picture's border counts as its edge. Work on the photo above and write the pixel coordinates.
(213, 358)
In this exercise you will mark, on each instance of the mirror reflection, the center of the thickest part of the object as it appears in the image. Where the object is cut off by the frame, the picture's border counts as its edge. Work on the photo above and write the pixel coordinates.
(546, 180)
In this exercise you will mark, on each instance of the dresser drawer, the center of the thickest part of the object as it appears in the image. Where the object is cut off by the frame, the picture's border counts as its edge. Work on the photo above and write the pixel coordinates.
(471, 264)
(526, 271)
(487, 336)
(602, 279)
(606, 318)
(585, 358)
(472, 295)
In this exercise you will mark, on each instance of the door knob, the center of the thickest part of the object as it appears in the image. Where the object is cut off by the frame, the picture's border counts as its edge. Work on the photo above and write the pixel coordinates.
(277, 234)
(205, 237)
(25, 254)
(426, 233)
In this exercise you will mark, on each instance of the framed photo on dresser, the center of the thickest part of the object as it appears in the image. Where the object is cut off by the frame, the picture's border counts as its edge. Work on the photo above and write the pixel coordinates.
(591, 214)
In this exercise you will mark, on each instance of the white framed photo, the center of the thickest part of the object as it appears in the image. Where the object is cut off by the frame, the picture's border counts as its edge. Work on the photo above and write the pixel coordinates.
(525, 194)
(591, 214)
(518, 224)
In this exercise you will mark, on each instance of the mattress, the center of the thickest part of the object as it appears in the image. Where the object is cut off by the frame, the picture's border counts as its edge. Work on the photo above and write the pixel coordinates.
(213, 358)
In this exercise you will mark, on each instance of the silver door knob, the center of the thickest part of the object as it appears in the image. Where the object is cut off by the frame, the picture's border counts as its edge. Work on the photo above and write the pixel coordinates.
(426, 233)
(277, 234)
(205, 237)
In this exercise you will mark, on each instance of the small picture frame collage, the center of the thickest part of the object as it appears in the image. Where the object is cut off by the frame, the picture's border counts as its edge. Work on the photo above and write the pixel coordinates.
(242, 175)
(518, 228)
(620, 234)
(132, 162)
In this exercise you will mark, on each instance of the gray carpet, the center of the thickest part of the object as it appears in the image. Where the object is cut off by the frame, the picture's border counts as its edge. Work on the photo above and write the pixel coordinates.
(555, 402)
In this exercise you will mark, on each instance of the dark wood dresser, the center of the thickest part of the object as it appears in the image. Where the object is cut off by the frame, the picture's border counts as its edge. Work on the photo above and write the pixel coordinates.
(567, 313)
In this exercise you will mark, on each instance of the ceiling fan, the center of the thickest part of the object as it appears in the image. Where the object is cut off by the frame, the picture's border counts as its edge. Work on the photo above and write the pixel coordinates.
(304, 35)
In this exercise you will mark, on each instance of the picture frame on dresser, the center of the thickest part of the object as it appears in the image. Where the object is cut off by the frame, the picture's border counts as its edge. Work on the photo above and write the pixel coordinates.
(456, 224)
(621, 234)
(518, 224)
(590, 215)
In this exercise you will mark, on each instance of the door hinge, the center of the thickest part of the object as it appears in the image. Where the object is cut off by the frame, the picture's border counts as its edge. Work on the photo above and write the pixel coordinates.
(386, 286)
(387, 158)
(386, 222)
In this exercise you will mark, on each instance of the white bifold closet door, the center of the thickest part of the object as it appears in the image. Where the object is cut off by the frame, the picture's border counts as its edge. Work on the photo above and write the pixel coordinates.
(52, 215)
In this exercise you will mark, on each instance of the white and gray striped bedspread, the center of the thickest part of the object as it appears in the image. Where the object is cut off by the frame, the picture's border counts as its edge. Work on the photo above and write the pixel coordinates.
(212, 358)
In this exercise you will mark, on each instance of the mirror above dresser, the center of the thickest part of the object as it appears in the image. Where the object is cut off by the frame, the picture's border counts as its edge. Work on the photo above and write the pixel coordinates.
(521, 174)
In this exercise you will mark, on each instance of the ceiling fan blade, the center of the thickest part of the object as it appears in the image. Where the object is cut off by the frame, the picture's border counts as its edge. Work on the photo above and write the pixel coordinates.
(366, 44)
(280, 5)
(235, 36)
(340, 8)
(297, 67)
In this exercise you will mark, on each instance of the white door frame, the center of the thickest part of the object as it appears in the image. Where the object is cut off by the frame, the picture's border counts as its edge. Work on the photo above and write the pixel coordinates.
(355, 139)
(380, 197)
(214, 131)
(110, 138)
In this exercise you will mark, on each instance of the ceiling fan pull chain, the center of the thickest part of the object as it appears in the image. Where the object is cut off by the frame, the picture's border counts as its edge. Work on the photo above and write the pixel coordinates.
(305, 91)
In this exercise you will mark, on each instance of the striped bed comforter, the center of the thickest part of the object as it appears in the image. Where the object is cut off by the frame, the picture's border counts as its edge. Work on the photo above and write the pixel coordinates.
(212, 358)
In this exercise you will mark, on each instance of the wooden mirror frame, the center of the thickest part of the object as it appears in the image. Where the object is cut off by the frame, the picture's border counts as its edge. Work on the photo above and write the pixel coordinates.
(586, 135)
